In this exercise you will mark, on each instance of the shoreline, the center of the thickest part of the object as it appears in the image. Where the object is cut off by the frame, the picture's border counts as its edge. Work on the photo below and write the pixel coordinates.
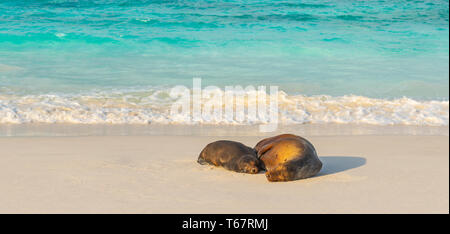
(54, 130)
(159, 174)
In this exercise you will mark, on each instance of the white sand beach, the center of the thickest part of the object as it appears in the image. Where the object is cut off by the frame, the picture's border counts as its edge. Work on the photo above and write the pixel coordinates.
(159, 174)
(105, 105)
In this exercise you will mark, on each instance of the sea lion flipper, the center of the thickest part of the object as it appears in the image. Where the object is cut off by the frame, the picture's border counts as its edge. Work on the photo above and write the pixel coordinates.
(264, 149)
(261, 144)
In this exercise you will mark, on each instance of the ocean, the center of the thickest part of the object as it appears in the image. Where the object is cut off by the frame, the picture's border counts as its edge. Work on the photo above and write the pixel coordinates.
(374, 62)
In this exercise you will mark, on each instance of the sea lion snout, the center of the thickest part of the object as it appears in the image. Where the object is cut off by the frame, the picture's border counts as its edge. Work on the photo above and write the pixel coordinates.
(249, 164)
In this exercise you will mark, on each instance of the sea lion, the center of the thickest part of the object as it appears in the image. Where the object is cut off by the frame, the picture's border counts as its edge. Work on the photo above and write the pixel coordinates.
(288, 157)
(265, 141)
(231, 155)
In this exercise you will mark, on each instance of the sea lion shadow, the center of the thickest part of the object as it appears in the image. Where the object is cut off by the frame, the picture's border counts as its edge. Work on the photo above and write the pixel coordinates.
(336, 164)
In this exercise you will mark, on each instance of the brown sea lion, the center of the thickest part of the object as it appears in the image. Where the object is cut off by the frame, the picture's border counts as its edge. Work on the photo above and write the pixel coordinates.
(265, 141)
(288, 157)
(231, 155)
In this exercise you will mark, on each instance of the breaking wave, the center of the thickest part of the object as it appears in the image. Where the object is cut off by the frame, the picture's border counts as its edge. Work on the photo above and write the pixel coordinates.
(154, 106)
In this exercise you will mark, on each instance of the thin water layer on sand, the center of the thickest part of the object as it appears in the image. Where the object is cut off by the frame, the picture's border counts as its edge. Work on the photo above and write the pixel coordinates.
(39, 130)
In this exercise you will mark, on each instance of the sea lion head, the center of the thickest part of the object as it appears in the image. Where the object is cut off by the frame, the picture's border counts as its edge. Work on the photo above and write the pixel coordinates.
(283, 172)
(249, 164)
(278, 175)
(294, 170)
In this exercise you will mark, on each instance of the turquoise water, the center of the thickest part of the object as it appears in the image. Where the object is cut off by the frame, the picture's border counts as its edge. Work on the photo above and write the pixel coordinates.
(382, 50)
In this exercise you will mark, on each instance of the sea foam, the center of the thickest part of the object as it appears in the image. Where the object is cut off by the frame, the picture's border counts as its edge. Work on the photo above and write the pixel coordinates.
(146, 107)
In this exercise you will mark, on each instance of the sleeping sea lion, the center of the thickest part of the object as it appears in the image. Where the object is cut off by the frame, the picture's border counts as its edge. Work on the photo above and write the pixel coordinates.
(231, 155)
(288, 157)
(265, 141)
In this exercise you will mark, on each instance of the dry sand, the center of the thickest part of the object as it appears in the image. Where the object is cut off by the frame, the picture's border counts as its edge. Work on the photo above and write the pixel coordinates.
(151, 174)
